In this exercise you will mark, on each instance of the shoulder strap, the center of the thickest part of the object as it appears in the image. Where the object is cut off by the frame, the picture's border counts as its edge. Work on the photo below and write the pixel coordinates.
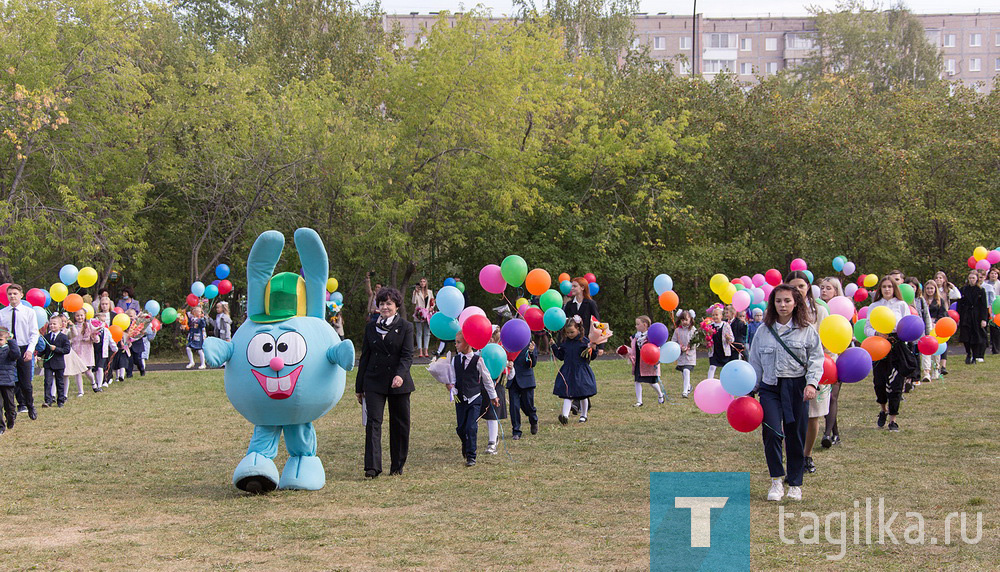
(782, 342)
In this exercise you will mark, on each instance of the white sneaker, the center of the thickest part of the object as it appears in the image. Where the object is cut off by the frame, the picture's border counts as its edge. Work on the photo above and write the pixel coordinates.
(202, 366)
(189, 366)
(777, 490)
(637, 404)
(79, 394)
(795, 493)
(491, 448)
(104, 384)
(980, 360)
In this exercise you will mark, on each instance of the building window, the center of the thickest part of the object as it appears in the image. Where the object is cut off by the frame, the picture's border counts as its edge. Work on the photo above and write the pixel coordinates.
(996, 65)
(949, 67)
(746, 44)
(683, 67)
(747, 68)
(975, 64)
(659, 43)
(717, 66)
(798, 42)
(771, 44)
(685, 42)
(975, 40)
(997, 41)
(772, 68)
(949, 40)
(720, 40)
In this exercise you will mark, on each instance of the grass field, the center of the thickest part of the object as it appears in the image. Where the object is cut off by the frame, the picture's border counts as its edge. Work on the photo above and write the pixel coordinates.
(139, 478)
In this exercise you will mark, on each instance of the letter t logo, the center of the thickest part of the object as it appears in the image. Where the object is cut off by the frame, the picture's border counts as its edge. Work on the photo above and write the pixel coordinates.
(701, 517)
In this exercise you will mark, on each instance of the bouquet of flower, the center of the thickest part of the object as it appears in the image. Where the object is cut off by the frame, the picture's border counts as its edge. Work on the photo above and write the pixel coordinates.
(704, 332)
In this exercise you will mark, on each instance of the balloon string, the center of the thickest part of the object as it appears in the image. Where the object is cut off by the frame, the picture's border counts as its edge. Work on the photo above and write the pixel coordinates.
(778, 433)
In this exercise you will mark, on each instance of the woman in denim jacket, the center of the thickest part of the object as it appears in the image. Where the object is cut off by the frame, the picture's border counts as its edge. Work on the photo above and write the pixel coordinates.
(786, 380)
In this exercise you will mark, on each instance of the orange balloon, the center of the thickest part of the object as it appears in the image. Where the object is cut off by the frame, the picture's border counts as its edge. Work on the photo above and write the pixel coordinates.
(996, 319)
(116, 333)
(563, 277)
(669, 300)
(537, 282)
(73, 302)
(945, 327)
(877, 347)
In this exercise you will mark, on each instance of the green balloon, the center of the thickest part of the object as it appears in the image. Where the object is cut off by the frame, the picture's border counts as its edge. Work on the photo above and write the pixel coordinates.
(460, 286)
(822, 303)
(908, 293)
(550, 299)
(168, 315)
(741, 287)
(996, 306)
(514, 269)
(859, 330)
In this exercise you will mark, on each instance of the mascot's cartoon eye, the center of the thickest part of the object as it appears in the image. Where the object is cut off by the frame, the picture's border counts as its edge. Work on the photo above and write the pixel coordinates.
(291, 347)
(260, 350)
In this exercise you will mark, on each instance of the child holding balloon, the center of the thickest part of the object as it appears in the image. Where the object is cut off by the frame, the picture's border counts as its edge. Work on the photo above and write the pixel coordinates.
(196, 337)
(721, 342)
(644, 371)
(82, 336)
(492, 414)
(889, 372)
(830, 288)
(103, 344)
(575, 379)
(684, 335)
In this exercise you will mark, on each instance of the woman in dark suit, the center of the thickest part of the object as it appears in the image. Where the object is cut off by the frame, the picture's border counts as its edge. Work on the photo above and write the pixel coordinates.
(384, 376)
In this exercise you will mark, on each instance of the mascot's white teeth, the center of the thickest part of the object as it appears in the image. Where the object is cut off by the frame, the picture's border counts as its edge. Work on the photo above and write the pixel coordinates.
(278, 387)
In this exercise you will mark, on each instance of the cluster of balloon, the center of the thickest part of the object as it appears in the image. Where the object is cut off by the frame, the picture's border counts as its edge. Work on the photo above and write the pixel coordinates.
(334, 299)
(745, 293)
(983, 259)
(220, 286)
(456, 283)
(729, 394)
(842, 264)
(513, 271)
(659, 350)
(663, 285)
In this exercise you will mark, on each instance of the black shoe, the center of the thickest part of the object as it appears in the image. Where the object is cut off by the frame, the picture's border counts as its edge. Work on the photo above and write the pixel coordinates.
(968, 360)
(47, 404)
(516, 436)
(10, 422)
(893, 426)
(22, 409)
(370, 474)
(396, 472)
(32, 414)
(563, 419)
(2, 430)
(59, 405)
(836, 439)
(534, 428)
(810, 466)
(907, 386)
(573, 410)
(882, 416)
(827, 442)
(944, 371)
(470, 462)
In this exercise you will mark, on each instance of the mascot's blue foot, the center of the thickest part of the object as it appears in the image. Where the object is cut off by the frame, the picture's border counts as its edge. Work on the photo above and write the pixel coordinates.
(256, 474)
(303, 473)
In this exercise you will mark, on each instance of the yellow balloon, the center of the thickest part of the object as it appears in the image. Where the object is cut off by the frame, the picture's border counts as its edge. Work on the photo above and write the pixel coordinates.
(870, 280)
(58, 291)
(121, 320)
(331, 285)
(718, 284)
(89, 310)
(979, 253)
(520, 302)
(835, 332)
(727, 293)
(942, 340)
(882, 319)
(87, 277)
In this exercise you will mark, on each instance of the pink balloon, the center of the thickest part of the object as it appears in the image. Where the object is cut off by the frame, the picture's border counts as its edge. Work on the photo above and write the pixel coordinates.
(849, 268)
(758, 295)
(747, 282)
(767, 288)
(850, 290)
(758, 280)
(523, 308)
(798, 264)
(710, 397)
(469, 312)
(983, 264)
(491, 279)
(741, 300)
(863, 313)
(993, 256)
(842, 306)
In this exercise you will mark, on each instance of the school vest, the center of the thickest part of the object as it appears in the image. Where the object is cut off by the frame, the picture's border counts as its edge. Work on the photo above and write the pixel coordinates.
(467, 378)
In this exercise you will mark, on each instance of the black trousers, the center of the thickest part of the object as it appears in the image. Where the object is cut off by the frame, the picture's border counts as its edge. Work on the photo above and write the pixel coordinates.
(55, 377)
(785, 419)
(888, 385)
(521, 400)
(399, 430)
(23, 390)
(467, 419)
(994, 337)
(9, 405)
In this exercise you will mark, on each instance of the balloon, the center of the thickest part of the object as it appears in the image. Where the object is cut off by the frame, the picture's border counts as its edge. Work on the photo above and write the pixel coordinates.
(772, 277)
(192, 300)
(838, 263)
(514, 269)
(747, 282)
(198, 288)
(537, 282)
(945, 327)
(35, 297)
(859, 330)
(742, 300)
(535, 318)
(745, 414)
(996, 320)
(657, 334)
(122, 321)
(908, 293)
(594, 288)
(910, 328)
(842, 306)
(564, 277)
(849, 268)
(718, 283)
(996, 303)
(88, 310)
(882, 319)
(73, 302)
(450, 301)
(797, 264)
(669, 300)
(153, 307)
(928, 345)
(460, 286)
(520, 302)
(156, 325)
(211, 291)
(871, 280)
(980, 253)
(758, 296)
(117, 310)
(565, 286)
(860, 295)
(876, 347)
(58, 291)
(982, 265)
(554, 319)
(853, 365)
(953, 314)
(515, 335)
(993, 256)
(971, 262)
(116, 333)
(443, 327)
(40, 316)
(669, 352)
(589, 277)
(449, 282)
(331, 284)
(169, 315)
(222, 272)
(662, 283)
(727, 295)
(550, 299)
(87, 277)
(863, 313)
(767, 289)
(491, 279)
(738, 378)
(835, 333)
(710, 397)
(650, 354)
(942, 349)
(477, 331)
(809, 275)
(225, 287)
(469, 312)
(336, 297)
(758, 280)
(68, 274)
(850, 289)
(829, 371)
(495, 359)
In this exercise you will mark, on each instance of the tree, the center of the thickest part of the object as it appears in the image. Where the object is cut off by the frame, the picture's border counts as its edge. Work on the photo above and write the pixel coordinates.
(599, 28)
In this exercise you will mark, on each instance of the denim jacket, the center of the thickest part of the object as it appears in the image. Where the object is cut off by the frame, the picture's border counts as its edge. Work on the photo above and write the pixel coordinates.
(770, 361)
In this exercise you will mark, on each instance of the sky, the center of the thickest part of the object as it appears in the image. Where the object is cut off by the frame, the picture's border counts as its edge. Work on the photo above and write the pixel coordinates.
(710, 8)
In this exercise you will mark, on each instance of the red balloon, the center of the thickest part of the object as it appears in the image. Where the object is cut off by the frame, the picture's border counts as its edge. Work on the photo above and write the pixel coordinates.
(927, 345)
(650, 354)
(225, 287)
(511, 356)
(3, 294)
(860, 295)
(829, 371)
(745, 414)
(477, 331)
(736, 281)
(156, 325)
(954, 315)
(118, 310)
(192, 301)
(535, 319)
(35, 297)
(972, 262)
(589, 277)
(772, 277)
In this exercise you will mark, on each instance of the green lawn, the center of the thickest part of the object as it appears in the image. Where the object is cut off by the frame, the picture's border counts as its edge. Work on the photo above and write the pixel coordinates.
(139, 478)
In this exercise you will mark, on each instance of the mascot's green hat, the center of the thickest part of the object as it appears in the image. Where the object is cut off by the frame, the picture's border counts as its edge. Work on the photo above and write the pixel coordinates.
(284, 298)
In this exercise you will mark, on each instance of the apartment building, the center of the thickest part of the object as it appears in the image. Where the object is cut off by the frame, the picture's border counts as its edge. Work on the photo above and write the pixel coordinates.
(753, 48)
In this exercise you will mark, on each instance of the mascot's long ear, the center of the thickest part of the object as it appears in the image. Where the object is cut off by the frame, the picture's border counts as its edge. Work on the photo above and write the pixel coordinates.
(260, 265)
(316, 267)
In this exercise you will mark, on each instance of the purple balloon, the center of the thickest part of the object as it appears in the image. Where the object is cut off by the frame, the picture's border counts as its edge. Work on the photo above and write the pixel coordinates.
(954, 306)
(515, 335)
(853, 365)
(657, 334)
(910, 328)
(216, 282)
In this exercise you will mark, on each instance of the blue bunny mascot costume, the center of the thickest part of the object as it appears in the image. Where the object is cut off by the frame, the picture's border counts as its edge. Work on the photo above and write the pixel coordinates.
(286, 366)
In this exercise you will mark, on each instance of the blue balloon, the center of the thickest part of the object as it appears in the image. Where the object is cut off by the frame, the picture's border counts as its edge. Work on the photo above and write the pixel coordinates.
(40, 316)
(554, 319)
(495, 359)
(68, 274)
(153, 307)
(198, 289)
(443, 327)
(809, 275)
(565, 286)
(48, 298)
(450, 282)
(222, 271)
(942, 349)
(838, 263)
(669, 352)
(657, 334)
(211, 291)
(337, 297)
(594, 288)
(738, 378)
(663, 283)
(450, 301)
